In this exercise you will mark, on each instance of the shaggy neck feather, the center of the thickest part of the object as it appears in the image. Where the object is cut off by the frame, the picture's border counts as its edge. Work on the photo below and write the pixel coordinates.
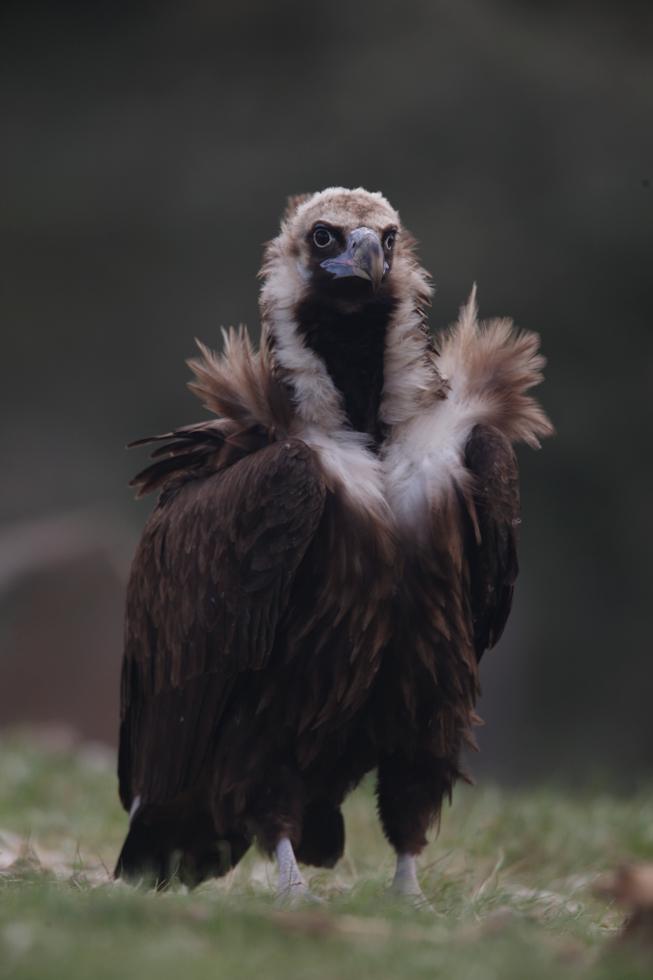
(352, 347)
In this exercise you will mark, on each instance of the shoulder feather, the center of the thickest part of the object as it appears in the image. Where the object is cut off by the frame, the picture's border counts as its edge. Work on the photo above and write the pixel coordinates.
(240, 383)
(491, 366)
(253, 409)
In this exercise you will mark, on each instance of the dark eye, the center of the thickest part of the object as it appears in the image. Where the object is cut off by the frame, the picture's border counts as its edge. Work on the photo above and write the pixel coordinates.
(322, 236)
(389, 240)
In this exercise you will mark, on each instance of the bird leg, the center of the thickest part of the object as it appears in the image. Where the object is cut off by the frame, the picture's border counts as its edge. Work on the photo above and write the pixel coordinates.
(291, 885)
(405, 883)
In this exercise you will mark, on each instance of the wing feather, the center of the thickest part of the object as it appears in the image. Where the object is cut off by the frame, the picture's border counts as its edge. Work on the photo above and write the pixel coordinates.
(492, 536)
(210, 580)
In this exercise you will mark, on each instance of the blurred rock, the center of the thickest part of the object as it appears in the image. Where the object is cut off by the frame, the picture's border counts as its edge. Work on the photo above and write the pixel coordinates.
(632, 888)
(61, 608)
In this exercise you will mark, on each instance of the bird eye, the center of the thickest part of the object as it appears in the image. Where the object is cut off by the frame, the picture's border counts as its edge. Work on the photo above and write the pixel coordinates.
(389, 240)
(322, 236)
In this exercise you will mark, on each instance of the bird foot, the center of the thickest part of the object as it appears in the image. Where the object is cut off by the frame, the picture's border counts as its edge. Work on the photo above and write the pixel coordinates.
(292, 890)
(416, 899)
(291, 893)
(296, 895)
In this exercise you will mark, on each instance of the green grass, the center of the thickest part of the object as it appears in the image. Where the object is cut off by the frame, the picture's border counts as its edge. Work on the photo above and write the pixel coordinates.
(510, 878)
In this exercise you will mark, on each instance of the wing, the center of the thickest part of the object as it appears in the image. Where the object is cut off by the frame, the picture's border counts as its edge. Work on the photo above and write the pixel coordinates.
(210, 580)
(491, 542)
(195, 450)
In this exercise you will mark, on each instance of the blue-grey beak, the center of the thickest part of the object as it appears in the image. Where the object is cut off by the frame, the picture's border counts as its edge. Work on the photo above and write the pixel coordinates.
(363, 257)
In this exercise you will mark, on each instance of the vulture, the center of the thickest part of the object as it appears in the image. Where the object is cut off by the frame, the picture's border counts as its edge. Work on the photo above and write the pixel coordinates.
(330, 556)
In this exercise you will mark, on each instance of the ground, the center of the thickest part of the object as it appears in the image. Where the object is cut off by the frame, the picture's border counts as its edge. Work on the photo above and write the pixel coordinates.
(511, 878)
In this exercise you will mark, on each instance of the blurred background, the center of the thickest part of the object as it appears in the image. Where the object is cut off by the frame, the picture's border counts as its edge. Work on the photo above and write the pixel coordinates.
(147, 151)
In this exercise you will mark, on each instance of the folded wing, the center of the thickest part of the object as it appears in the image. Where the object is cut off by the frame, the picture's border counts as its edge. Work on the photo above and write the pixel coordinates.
(491, 541)
(210, 581)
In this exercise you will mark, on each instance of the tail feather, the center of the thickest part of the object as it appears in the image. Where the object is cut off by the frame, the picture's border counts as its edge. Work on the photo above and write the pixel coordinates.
(159, 849)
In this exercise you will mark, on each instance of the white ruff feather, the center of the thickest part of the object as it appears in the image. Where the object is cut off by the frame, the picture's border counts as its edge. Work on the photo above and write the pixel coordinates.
(430, 403)
(318, 402)
(488, 367)
(487, 371)
(348, 463)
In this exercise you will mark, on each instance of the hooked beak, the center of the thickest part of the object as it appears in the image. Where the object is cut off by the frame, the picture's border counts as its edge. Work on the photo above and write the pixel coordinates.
(363, 257)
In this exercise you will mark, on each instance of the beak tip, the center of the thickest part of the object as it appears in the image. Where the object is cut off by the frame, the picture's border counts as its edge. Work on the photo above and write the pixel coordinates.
(363, 258)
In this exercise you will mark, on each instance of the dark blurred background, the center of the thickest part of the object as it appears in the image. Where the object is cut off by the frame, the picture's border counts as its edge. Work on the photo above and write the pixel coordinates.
(147, 151)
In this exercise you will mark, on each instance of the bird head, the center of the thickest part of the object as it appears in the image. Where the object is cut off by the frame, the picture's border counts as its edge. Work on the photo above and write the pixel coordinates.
(344, 243)
(345, 247)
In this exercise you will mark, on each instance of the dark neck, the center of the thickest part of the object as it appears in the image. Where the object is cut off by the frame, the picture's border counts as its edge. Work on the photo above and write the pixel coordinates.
(352, 346)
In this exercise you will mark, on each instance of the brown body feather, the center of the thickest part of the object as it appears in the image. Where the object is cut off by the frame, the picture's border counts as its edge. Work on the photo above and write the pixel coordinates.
(305, 606)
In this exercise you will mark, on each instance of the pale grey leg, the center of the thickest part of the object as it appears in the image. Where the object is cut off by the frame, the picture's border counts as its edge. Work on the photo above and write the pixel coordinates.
(133, 810)
(291, 885)
(405, 881)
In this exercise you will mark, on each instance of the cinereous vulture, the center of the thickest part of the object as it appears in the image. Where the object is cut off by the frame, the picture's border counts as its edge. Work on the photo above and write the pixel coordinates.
(329, 558)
